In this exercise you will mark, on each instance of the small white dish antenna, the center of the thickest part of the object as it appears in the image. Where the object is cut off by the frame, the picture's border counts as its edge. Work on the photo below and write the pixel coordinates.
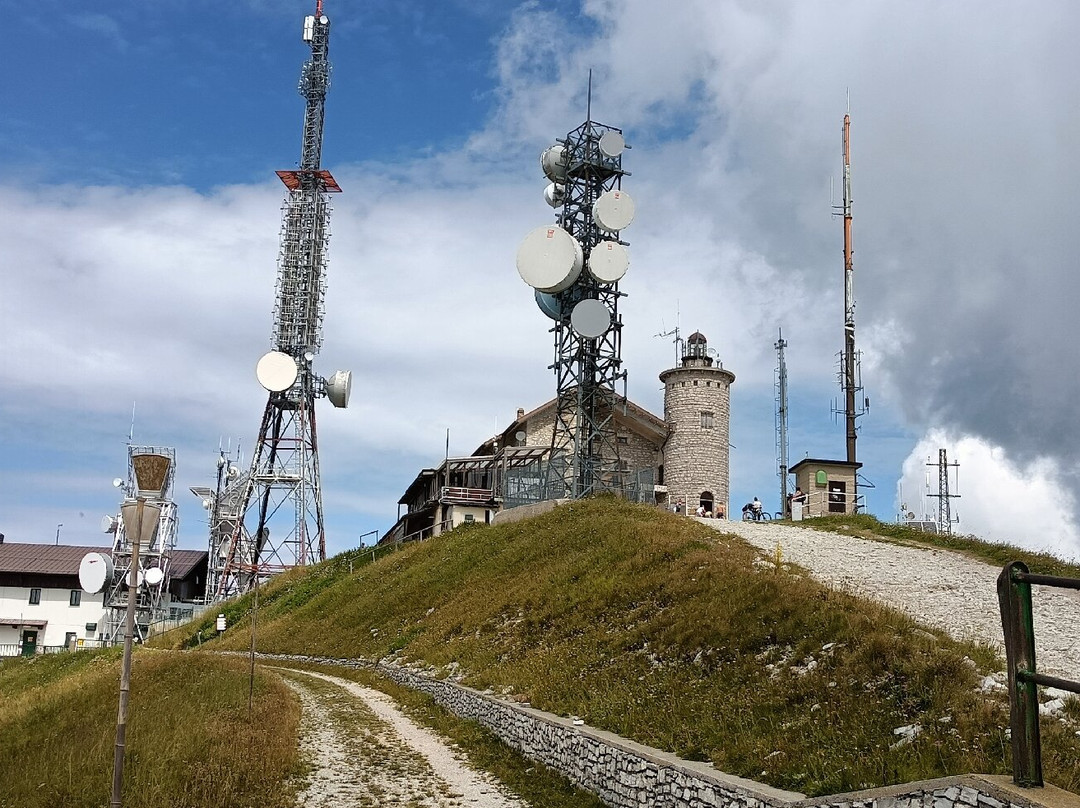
(590, 318)
(154, 576)
(95, 571)
(608, 261)
(339, 387)
(612, 144)
(613, 211)
(308, 356)
(118, 482)
(233, 472)
(549, 259)
(108, 524)
(554, 161)
(139, 578)
(555, 194)
(520, 437)
(207, 504)
(549, 304)
(276, 371)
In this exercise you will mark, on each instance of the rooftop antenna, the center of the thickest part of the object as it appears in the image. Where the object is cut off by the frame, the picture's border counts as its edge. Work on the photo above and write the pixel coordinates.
(283, 485)
(945, 518)
(131, 429)
(782, 418)
(575, 267)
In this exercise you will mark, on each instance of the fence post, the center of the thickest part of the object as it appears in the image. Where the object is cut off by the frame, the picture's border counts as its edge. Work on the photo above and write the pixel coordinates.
(1014, 597)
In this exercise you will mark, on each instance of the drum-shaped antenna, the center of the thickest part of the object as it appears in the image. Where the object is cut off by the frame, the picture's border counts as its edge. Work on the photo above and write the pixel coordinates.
(553, 161)
(611, 144)
(108, 524)
(554, 194)
(608, 261)
(549, 304)
(276, 371)
(338, 388)
(613, 211)
(95, 571)
(590, 318)
(154, 576)
(549, 259)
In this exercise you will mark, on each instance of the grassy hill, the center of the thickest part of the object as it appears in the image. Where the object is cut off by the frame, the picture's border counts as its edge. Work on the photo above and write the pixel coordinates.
(661, 630)
(190, 739)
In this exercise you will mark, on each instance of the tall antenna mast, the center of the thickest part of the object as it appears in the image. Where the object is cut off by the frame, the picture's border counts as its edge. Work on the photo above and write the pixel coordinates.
(279, 524)
(782, 419)
(945, 517)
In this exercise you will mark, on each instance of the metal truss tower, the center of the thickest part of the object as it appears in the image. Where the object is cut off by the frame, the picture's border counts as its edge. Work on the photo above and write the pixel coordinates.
(945, 518)
(273, 515)
(154, 573)
(782, 419)
(588, 369)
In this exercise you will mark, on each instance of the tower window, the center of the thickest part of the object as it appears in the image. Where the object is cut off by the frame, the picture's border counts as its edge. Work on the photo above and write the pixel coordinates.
(622, 439)
(695, 382)
(707, 420)
(75, 598)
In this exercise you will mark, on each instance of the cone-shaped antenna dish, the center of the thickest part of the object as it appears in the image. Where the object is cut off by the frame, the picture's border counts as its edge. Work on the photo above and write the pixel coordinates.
(95, 570)
(554, 161)
(612, 144)
(338, 388)
(549, 259)
(590, 318)
(276, 371)
(549, 304)
(613, 211)
(608, 261)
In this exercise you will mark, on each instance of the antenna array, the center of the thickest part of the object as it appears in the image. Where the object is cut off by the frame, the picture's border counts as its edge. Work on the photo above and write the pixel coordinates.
(575, 267)
(271, 518)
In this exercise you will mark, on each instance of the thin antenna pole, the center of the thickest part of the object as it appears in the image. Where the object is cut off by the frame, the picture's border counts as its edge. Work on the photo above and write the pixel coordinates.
(782, 419)
(588, 103)
(849, 306)
(131, 429)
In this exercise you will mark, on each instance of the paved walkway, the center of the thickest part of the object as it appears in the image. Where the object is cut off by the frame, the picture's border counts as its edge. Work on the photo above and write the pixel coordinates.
(937, 587)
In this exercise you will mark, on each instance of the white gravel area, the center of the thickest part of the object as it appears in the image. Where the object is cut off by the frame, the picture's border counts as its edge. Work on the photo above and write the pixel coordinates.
(937, 587)
(366, 752)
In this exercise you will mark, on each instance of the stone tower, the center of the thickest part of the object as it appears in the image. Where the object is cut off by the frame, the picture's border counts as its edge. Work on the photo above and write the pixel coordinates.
(698, 415)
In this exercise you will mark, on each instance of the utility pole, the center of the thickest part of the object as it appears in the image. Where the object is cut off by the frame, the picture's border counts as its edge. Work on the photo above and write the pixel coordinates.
(782, 419)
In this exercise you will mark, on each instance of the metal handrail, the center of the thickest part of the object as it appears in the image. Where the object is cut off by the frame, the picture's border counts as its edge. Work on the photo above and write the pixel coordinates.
(1014, 596)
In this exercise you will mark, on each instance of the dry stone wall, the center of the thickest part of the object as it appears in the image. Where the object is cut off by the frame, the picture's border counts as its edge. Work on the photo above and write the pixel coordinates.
(625, 774)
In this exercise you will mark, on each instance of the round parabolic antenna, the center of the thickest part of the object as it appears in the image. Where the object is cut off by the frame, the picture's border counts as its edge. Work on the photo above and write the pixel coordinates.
(549, 304)
(140, 577)
(95, 571)
(339, 387)
(613, 211)
(590, 318)
(276, 371)
(108, 524)
(612, 144)
(549, 259)
(154, 576)
(608, 261)
(553, 161)
(554, 194)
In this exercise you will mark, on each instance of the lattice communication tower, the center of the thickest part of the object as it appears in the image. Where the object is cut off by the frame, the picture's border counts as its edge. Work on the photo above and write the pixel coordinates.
(782, 419)
(945, 519)
(575, 267)
(272, 516)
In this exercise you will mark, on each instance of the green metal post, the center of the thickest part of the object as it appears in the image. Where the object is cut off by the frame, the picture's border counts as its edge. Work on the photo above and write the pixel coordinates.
(1014, 597)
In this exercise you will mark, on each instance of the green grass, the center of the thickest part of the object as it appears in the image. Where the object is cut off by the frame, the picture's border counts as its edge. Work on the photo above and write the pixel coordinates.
(663, 631)
(190, 740)
(996, 553)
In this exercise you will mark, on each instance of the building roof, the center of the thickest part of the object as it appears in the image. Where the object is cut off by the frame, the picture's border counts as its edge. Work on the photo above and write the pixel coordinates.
(813, 461)
(64, 559)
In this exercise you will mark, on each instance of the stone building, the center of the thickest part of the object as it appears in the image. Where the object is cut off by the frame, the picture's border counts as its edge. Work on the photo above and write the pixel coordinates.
(680, 458)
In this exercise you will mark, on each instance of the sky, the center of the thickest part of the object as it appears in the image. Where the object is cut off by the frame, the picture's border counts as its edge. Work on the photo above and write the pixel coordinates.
(139, 221)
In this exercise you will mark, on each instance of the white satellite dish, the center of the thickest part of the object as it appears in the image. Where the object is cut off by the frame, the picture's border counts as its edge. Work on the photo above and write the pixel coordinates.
(613, 211)
(549, 304)
(554, 161)
(108, 524)
(276, 371)
(207, 504)
(549, 259)
(590, 318)
(608, 261)
(139, 578)
(554, 194)
(95, 571)
(154, 576)
(233, 473)
(338, 388)
(118, 482)
(612, 144)
(520, 437)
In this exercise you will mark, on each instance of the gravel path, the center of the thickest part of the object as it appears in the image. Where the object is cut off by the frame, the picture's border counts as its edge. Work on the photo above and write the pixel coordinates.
(365, 752)
(937, 587)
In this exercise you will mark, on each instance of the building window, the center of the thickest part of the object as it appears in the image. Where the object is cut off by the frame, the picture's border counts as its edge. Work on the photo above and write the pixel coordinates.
(623, 439)
(624, 465)
(75, 598)
(695, 382)
(35, 597)
(707, 420)
(660, 474)
(470, 518)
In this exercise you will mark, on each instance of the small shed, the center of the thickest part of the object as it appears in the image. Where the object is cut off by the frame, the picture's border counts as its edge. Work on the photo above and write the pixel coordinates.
(829, 486)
